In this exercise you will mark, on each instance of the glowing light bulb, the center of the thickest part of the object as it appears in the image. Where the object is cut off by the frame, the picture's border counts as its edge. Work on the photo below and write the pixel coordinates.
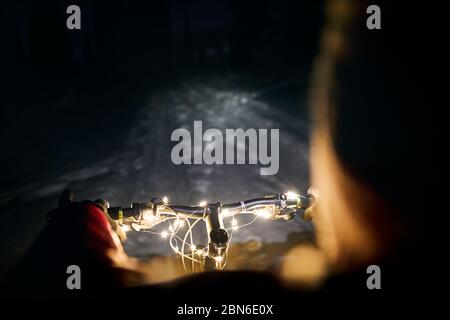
(125, 228)
(203, 203)
(200, 251)
(165, 200)
(193, 248)
(263, 214)
(234, 222)
(290, 195)
(149, 217)
(218, 258)
(164, 234)
(177, 249)
(176, 225)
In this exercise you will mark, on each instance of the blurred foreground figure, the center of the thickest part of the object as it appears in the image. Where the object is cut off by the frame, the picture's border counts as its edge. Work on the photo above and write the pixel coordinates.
(378, 100)
(81, 234)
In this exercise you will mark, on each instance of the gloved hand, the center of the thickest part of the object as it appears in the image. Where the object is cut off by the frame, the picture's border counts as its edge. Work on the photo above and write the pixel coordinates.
(94, 233)
(81, 234)
(66, 200)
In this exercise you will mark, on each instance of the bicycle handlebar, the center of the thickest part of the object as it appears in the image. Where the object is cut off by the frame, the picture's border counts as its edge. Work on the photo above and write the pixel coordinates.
(282, 203)
(145, 216)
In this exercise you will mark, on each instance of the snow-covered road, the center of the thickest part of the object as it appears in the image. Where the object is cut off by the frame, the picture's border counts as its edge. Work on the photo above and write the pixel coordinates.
(142, 167)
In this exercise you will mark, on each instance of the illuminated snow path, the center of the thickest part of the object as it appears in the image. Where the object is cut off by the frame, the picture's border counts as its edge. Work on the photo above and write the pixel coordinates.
(142, 167)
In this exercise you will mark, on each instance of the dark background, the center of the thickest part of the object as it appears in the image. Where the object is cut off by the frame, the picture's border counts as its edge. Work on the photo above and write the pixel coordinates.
(123, 50)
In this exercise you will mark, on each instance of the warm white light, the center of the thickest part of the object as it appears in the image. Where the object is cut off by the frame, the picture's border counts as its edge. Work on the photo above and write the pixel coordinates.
(164, 234)
(193, 248)
(218, 258)
(149, 217)
(290, 195)
(203, 204)
(177, 249)
(177, 224)
(181, 223)
(165, 200)
(263, 214)
(234, 222)
(125, 228)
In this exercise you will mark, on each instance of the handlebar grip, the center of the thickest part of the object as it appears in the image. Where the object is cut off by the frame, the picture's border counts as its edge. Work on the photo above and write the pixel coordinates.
(119, 213)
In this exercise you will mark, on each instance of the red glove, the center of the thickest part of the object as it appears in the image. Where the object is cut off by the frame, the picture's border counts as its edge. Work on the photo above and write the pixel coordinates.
(82, 233)
(100, 239)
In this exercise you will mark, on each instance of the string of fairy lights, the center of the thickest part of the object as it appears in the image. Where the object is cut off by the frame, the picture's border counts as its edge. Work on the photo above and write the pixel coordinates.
(179, 233)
